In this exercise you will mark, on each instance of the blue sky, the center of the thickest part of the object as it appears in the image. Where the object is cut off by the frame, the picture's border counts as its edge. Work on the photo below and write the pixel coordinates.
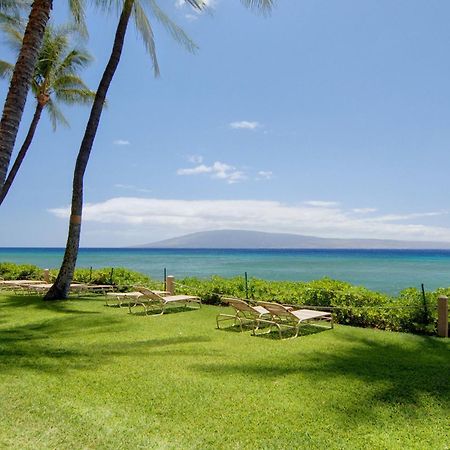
(326, 118)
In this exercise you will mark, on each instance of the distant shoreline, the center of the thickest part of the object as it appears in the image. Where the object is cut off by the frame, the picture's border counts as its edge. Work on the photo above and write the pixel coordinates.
(232, 249)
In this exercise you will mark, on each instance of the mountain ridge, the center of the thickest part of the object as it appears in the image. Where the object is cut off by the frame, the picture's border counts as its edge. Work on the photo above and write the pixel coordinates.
(243, 239)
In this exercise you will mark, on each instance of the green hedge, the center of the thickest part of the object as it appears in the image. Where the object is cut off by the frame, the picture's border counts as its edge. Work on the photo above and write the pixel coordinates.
(11, 271)
(119, 276)
(352, 305)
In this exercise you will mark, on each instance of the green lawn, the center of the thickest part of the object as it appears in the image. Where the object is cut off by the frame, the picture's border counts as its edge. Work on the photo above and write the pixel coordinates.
(78, 375)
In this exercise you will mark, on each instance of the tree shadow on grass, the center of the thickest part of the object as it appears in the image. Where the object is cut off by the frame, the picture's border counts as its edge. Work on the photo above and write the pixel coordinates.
(305, 330)
(157, 312)
(49, 345)
(397, 374)
(37, 302)
(273, 334)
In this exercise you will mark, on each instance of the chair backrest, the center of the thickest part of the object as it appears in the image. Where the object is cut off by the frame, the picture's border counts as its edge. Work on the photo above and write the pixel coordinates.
(275, 309)
(149, 293)
(239, 305)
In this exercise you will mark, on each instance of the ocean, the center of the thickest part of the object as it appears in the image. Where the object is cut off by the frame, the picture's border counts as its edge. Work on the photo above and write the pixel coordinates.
(387, 271)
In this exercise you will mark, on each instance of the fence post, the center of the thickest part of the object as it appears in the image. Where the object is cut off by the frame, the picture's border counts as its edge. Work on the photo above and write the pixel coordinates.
(170, 284)
(47, 275)
(246, 285)
(443, 316)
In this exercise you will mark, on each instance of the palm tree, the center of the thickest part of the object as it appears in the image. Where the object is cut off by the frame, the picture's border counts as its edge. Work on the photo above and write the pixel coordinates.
(55, 80)
(23, 71)
(60, 288)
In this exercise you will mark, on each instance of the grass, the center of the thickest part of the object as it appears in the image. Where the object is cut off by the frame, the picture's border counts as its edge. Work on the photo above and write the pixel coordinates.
(77, 374)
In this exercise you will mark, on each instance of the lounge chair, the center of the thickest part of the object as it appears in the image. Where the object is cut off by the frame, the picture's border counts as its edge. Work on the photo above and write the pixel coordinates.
(287, 317)
(122, 298)
(20, 286)
(151, 300)
(243, 312)
(126, 298)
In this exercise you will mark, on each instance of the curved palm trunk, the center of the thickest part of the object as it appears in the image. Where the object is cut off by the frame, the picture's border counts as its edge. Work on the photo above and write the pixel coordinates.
(22, 152)
(60, 288)
(20, 82)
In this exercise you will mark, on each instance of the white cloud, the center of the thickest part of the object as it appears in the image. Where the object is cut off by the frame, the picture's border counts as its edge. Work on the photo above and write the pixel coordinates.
(190, 17)
(195, 159)
(264, 175)
(219, 170)
(172, 217)
(195, 170)
(245, 125)
(321, 204)
(132, 187)
(364, 210)
(121, 142)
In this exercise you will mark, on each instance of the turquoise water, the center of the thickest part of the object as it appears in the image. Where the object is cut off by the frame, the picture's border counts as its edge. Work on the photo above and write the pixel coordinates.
(383, 270)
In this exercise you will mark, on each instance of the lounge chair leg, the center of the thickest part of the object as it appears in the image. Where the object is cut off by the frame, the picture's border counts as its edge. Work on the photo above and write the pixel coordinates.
(279, 331)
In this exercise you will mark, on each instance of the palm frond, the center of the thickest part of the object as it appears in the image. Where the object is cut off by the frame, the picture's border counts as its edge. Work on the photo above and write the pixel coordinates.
(75, 96)
(145, 30)
(75, 60)
(198, 4)
(6, 70)
(108, 5)
(13, 30)
(14, 5)
(69, 81)
(176, 32)
(55, 114)
(262, 6)
(77, 8)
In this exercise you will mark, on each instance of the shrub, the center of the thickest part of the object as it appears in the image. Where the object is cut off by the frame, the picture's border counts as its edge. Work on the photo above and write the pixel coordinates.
(11, 271)
(352, 305)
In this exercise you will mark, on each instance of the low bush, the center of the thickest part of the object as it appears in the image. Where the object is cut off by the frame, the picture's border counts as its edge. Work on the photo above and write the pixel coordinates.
(118, 276)
(11, 271)
(352, 305)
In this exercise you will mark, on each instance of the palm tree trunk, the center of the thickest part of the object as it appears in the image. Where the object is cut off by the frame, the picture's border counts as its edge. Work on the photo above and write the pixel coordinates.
(60, 288)
(20, 82)
(22, 152)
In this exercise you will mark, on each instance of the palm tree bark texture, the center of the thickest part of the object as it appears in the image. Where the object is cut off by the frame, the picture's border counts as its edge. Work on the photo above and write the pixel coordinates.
(61, 286)
(20, 82)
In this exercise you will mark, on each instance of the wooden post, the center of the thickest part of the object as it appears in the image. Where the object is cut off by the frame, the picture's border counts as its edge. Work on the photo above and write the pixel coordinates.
(46, 275)
(443, 316)
(170, 284)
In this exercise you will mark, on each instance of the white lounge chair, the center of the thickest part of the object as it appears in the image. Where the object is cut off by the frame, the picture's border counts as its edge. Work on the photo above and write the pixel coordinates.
(152, 300)
(244, 313)
(287, 317)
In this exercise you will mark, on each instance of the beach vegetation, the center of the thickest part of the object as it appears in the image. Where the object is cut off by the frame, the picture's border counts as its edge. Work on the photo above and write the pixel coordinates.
(22, 73)
(121, 278)
(352, 305)
(12, 271)
(79, 374)
(56, 80)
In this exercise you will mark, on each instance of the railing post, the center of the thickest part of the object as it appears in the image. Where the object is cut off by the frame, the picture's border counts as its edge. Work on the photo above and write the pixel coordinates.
(443, 316)
(46, 275)
(170, 284)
